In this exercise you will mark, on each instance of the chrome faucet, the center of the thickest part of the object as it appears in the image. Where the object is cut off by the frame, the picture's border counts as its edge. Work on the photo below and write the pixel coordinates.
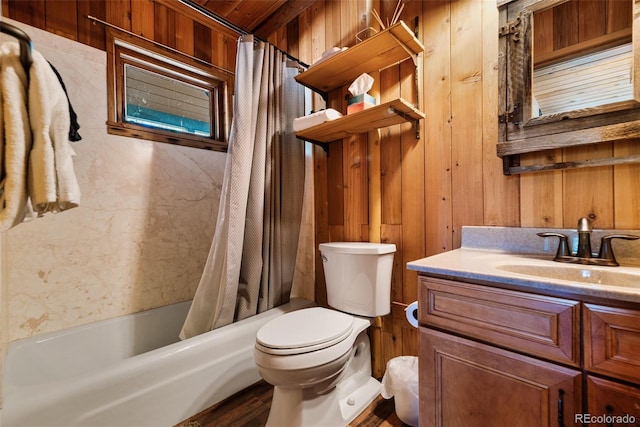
(583, 255)
(584, 238)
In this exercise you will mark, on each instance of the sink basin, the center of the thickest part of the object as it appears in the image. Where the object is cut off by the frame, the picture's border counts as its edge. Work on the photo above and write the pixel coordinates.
(598, 276)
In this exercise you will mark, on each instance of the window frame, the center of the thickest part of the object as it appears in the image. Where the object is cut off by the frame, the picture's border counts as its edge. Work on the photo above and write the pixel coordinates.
(124, 49)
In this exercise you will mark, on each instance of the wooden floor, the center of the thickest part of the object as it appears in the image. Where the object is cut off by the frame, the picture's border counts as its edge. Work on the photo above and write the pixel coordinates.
(250, 408)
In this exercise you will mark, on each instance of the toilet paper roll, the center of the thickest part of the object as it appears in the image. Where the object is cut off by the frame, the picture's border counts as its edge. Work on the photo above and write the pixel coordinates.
(412, 314)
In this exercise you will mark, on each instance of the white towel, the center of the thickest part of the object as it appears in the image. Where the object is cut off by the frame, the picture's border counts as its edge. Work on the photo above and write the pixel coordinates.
(328, 54)
(314, 119)
(15, 141)
(53, 186)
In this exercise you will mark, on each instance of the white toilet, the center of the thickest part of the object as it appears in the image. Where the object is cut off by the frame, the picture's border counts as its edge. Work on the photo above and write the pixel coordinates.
(318, 359)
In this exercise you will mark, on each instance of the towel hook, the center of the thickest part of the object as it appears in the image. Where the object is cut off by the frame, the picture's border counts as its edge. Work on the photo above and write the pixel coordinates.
(25, 44)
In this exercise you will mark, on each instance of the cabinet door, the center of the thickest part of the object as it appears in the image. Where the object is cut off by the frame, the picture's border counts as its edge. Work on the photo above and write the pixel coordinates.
(619, 402)
(464, 383)
(612, 341)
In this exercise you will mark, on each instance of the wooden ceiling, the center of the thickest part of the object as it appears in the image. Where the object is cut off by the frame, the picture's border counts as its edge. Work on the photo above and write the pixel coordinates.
(259, 17)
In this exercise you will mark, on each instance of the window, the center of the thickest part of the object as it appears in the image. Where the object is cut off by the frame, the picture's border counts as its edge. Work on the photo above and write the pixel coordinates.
(159, 94)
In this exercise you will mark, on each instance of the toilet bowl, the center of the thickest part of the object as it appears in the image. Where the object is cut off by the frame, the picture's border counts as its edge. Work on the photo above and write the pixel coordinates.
(319, 359)
(321, 384)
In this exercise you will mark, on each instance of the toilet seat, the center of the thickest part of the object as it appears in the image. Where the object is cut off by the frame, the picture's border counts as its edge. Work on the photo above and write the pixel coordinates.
(304, 331)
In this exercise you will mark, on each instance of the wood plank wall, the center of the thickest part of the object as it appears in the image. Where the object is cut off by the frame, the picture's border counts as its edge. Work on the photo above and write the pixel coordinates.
(388, 185)
(422, 191)
(414, 192)
(151, 19)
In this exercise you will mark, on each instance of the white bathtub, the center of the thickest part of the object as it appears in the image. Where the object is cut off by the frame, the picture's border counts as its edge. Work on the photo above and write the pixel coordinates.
(128, 371)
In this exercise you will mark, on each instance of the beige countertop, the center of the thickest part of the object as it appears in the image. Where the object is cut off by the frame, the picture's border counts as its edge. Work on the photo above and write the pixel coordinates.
(483, 259)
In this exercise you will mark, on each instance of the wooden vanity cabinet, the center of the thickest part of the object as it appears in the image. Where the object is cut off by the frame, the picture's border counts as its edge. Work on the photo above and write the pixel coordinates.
(612, 341)
(466, 383)
(612, 349)
(497, 357)
(606, 397)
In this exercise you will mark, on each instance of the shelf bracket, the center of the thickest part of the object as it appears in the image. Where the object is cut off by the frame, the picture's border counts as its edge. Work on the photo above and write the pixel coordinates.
(413, 56)
(324, 145)
(408, 118)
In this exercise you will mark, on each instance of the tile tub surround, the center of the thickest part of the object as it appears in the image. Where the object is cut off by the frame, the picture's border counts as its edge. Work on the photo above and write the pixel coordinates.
(485, 249)
(142, 232)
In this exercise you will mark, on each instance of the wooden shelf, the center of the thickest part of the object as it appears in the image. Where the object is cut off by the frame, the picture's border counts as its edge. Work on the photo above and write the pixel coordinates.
(388, 114)
(391, 46)
(395, 44)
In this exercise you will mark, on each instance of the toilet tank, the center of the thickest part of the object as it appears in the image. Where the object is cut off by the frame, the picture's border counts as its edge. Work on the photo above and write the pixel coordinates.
(358, 276)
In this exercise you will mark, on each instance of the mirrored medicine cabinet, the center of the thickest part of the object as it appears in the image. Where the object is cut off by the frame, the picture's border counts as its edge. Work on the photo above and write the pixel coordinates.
(569, 75)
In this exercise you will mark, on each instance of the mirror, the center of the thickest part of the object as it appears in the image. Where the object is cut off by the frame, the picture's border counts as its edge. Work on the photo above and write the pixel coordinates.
(569, 75)
(582, 56)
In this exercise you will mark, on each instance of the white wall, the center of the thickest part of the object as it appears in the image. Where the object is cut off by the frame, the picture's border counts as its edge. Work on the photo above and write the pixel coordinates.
(141, 235)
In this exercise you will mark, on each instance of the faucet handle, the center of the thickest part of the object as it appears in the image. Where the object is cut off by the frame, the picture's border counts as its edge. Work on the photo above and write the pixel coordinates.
(563, 244)
(606, 250)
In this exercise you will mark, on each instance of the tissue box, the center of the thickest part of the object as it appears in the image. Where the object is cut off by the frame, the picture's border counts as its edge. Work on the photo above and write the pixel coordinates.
(359, 103)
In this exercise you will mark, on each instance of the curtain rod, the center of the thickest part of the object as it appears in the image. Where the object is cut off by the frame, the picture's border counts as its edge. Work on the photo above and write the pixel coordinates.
(106, 24)
(206, 12)
(225, 23)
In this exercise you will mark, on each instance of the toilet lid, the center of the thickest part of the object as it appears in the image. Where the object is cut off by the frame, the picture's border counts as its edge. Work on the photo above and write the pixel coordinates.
(304, 330)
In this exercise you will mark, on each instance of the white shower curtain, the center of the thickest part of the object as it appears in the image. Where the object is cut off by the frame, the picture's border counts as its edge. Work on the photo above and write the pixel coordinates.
(252, 258)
